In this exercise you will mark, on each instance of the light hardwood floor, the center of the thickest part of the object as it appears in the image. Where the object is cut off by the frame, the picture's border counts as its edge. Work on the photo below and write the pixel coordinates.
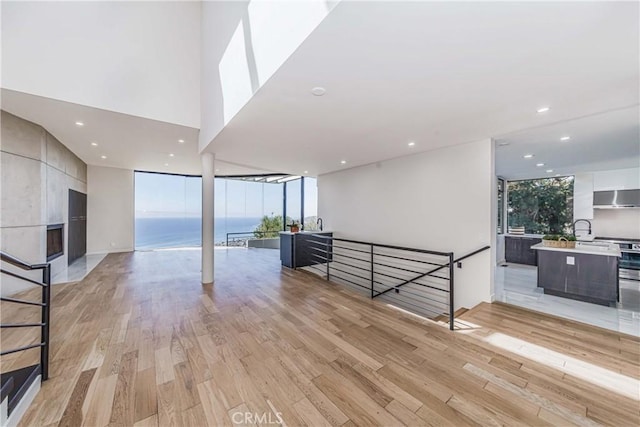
(140, 342)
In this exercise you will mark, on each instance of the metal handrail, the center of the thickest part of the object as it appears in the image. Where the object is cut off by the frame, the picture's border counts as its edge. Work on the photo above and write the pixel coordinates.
(250, 232)
(18, 263)
(381, 245)
(45, 305)
(327, 257)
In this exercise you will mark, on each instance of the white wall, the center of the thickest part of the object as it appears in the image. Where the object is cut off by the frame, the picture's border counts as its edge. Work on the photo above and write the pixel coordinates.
(138, 58)
(624, 223)
(243, 44)
(110, 210)
(440, 200)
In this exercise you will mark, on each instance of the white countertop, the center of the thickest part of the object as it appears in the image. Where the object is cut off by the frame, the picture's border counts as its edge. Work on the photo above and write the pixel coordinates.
(597, 248)
(305, 232)
(535, 236)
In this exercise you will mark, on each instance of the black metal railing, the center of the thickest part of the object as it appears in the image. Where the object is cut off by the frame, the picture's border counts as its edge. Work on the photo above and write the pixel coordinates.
(384, 270)
(44, 304)
(249, 234)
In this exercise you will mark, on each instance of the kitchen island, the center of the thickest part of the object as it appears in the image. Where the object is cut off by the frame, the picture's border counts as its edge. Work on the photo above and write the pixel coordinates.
(587, 273)
(296, 249)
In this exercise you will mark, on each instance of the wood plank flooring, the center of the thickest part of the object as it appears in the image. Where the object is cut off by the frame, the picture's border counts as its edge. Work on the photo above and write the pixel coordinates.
(140, 342)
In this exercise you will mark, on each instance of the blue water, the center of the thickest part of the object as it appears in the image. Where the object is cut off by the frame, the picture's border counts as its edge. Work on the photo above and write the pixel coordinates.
(152, 233)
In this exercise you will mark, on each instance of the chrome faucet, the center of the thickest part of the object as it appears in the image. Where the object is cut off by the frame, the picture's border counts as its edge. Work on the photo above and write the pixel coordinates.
(319, 223)
(579, 220)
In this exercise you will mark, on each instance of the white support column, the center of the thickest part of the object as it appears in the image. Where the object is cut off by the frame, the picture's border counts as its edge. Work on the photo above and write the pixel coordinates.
(208, 176)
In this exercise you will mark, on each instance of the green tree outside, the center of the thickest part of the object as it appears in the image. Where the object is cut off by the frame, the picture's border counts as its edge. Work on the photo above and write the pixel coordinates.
(542, 206)
(270, 226)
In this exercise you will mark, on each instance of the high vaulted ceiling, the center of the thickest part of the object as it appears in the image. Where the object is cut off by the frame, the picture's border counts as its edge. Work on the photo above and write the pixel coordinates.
(437, 74)
(431, 73)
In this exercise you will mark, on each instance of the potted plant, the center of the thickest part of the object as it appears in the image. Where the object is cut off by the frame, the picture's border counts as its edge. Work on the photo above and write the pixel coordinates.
(571, 240)
(294, 227)
(559, 241)
(551, 240)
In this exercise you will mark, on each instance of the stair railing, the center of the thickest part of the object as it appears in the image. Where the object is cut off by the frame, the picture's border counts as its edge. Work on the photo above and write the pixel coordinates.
(45, 305)
(385, 270)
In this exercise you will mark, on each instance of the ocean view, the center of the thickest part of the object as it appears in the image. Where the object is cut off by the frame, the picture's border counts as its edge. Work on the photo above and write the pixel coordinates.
(152, 233)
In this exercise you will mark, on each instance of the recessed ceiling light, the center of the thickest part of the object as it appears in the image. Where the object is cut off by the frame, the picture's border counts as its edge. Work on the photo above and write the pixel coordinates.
(528, 156)
(79, 124)
(217, 170)
(166, 164)
(557, 174)
(181, 141)
(411, 144)
(306, 171)
(565, 138)
(503, 144)
(549, 170)
(170, 154)
(543, 110)
(539, 165)
(318, 91)
(95, 144)
(103, 157)
(343, 161)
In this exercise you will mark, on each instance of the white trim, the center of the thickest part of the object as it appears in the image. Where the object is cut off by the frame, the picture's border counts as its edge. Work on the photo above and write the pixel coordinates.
(22, 406)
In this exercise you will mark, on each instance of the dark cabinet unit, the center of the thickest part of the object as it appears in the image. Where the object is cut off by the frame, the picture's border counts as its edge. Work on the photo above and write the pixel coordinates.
(583, 277)
(297, 251)
(77, 239)
(518, 250)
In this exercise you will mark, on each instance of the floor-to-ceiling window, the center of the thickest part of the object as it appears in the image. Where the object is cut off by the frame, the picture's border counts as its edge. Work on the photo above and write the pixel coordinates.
(310, 204)
(168, 208)
(294, 201)
(244, 207)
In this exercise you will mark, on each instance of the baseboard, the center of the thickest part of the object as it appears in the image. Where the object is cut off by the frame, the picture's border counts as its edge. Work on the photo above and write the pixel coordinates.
(114, 251)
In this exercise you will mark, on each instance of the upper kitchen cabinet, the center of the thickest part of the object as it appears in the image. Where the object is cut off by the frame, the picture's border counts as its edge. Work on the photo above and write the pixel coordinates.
(583, 196)
(620, 179)
(586, 183)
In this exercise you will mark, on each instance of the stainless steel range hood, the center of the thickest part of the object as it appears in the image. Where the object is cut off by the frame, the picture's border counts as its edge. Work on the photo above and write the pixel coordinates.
(616, 199)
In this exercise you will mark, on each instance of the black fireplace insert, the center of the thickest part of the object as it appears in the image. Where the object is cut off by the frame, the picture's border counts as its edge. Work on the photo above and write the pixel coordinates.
(55, 241)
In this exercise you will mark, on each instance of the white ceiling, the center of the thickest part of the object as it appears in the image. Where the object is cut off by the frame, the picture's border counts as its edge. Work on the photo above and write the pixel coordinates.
(129, 142)
(138, 58)
(599, 142)
(438, 74)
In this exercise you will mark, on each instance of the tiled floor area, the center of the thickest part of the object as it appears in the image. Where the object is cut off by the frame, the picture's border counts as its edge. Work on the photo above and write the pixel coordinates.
(78, 269)
(516, 284)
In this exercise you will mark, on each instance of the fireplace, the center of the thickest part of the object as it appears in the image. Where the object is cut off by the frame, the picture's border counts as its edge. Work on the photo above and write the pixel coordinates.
(55, 241)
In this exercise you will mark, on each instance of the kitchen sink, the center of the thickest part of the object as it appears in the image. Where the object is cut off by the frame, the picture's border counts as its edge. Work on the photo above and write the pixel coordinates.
(594, 246)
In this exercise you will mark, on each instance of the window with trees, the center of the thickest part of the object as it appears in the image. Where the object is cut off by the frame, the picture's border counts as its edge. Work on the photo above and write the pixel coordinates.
(541, 206)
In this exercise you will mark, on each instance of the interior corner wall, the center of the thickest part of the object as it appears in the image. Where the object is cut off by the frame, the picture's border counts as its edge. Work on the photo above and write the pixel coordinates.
(440, 200)
(37, 173)
(110, 210)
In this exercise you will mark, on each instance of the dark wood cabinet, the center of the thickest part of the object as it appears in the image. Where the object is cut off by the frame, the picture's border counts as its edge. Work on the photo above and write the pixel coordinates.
(518, 250)
(296, 249)
(77, 238)
(584, 277)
